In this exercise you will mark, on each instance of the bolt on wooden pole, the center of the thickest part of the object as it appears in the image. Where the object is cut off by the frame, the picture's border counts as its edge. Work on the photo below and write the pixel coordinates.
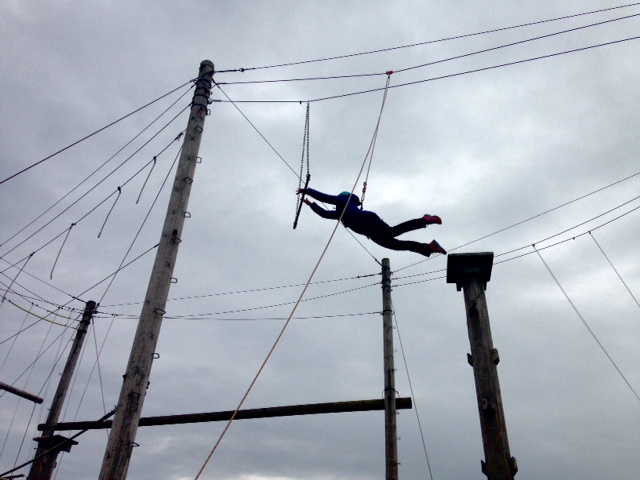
(136, 380)
(471, 272)
(390, 427)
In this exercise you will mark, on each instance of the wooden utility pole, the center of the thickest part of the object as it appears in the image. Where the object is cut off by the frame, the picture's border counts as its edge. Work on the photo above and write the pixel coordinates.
(136, 380)
(47, 451)
(390, 428)
(471, 272)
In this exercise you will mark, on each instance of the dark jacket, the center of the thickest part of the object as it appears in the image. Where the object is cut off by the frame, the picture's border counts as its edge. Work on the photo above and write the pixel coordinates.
(360, 221)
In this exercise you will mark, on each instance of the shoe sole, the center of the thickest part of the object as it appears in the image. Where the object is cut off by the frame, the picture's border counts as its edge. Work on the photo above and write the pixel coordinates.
(437, 248)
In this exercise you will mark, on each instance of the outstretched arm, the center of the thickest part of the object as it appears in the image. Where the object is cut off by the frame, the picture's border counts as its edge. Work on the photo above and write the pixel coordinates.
(330, 214)
(321, 197)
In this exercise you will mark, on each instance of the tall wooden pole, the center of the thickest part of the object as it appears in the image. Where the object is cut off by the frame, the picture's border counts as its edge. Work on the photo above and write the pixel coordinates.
(390, 428)
(471, 272)
(128, 410)
(42, 468)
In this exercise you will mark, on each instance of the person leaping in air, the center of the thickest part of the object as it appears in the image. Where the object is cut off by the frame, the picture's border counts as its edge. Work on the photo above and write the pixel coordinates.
(370, 224)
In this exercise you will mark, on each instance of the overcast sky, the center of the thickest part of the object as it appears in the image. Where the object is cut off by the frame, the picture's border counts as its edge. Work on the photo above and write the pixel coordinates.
(486, 140)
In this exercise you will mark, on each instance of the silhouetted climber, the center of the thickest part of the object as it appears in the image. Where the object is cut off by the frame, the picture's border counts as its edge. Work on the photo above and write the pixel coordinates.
(370, 224)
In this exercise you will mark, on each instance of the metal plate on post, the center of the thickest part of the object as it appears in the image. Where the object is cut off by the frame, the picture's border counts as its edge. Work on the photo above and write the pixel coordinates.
(461, 267)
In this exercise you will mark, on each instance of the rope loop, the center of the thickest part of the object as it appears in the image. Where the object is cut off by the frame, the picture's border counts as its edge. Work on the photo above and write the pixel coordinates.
(60, 251)
(110, 210)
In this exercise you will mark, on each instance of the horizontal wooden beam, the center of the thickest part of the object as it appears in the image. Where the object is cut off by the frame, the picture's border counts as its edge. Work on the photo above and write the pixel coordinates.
(20, 393)
(287, 411)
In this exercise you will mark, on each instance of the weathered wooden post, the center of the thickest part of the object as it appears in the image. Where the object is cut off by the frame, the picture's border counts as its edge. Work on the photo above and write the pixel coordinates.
(49, 444)
(121, 441)
(390, 427)
(471, 272)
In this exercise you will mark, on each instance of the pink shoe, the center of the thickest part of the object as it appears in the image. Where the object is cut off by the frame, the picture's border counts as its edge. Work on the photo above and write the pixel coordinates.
(431, 219)
(436, 248)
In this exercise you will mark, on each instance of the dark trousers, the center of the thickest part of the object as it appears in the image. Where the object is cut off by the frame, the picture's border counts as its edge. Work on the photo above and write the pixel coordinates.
(385, 235)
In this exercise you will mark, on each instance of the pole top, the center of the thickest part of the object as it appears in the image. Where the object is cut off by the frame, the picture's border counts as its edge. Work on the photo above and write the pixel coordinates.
(463, 267)
(206, 63)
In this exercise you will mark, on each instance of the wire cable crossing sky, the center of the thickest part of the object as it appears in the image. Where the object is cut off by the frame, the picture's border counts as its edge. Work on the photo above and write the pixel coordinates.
(533, 158)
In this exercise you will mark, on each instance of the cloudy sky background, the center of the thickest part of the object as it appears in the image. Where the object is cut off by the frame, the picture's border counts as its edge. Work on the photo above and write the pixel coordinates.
(484, 150)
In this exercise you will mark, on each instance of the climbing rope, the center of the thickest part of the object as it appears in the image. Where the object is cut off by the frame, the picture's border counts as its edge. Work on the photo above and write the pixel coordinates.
(4, 296)
(295, 307)
(153, 165)
(584, 322)
(110, 210)
(373, 140)
(60, 251)
(29, 312)
(614, 269)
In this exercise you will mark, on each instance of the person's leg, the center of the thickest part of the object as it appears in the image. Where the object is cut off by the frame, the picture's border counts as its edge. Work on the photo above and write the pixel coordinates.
(415, 224)
(425, 249)
(381, 233)
(403, 245)
(408, 226)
